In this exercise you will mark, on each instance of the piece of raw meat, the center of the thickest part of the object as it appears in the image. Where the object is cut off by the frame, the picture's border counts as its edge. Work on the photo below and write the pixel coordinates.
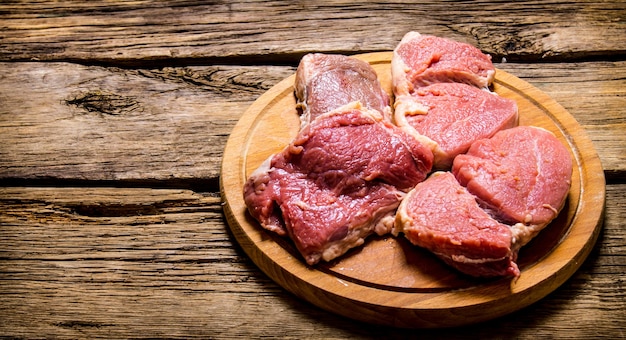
(339, 181)
(521, 175)
(420, 60)
(453, 116)
(325, 82)
(443, 217)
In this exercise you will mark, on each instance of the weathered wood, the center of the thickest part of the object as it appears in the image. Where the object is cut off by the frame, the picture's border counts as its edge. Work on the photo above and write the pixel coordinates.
(116, 263)
(126, 262)
(66, 121)
(144, 31)
(73, 122)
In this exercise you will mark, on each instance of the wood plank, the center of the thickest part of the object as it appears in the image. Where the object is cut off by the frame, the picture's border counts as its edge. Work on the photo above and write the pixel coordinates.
(64, 121)
(110, 262)
(166, 266)
(151, 31)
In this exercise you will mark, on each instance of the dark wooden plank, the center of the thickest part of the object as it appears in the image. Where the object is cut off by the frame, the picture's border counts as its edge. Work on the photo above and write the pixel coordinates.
(63, 121)
(111, 262)
(149, 31)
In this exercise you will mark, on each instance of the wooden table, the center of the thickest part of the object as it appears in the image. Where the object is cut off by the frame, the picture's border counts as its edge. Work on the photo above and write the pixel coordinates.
(113, 121)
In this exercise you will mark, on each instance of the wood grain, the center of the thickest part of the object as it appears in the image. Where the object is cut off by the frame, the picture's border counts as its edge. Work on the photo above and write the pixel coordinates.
(114, 124)
(108, 259)
(171, 124)
(141, 31)
(178, 273)
(385, 282)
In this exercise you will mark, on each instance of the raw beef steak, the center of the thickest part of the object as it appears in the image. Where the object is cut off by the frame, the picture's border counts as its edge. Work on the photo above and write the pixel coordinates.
(441, 216)
(325, 82)
(521, 175)
(453, 116)
(421, 60)
(339, 181)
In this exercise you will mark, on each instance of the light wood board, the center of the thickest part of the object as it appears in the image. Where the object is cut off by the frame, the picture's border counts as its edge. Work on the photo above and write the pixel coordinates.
(388, 281)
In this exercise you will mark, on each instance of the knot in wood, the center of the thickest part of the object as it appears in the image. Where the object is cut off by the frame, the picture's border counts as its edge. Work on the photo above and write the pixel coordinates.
(103, 102)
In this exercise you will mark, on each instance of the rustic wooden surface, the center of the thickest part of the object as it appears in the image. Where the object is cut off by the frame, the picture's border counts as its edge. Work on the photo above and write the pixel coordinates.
(113, 120)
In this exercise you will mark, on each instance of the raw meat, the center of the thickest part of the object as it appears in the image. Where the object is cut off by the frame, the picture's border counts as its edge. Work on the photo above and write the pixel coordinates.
(339, 181)
(443, 217)
(421, 60)
(325, 82)
(353, 143)
(322, 223)
(522, 175)
(503, 192)
(441, 90)
(453, 116)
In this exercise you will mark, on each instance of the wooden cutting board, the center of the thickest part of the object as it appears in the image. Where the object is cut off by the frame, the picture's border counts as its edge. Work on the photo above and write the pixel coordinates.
(387, 280)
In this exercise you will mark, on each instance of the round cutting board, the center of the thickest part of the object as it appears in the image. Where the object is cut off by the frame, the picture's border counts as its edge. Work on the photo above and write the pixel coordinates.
(387, 280)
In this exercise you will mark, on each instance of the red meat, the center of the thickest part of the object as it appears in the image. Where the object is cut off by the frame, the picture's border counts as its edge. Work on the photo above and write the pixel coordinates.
(522, 175)
(325, 82)
(421, 60)
(453, 116)
(441, 216)
(339, 181)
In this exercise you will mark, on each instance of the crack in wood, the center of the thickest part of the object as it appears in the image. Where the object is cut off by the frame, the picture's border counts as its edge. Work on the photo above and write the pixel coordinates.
(76, 324)
(199, 185)
(103, 102)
